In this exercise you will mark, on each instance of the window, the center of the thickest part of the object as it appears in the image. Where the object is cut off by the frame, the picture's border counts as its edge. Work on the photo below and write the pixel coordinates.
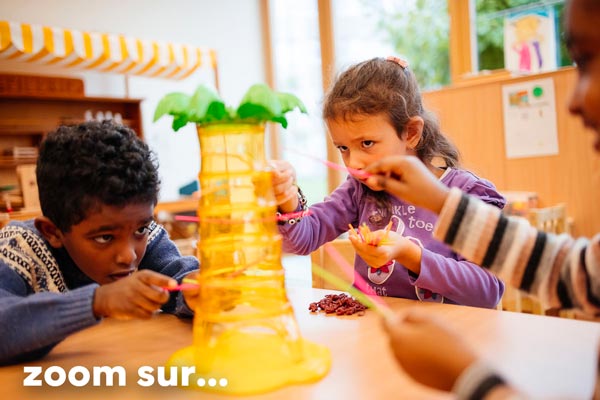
(355, 45)
(297, 59)
(416, 30)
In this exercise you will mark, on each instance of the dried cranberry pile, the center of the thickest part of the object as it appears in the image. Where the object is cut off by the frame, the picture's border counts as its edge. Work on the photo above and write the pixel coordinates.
(341, 304)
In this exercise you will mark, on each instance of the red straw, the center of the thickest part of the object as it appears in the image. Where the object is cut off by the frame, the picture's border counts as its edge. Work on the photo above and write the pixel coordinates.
(186, 218)
(181, 286)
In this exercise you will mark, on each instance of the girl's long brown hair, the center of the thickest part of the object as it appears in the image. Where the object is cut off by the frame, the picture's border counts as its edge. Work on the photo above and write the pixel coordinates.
(381, 86)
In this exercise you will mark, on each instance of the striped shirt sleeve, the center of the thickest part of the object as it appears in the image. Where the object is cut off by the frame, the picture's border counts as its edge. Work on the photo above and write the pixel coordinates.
(561, 271)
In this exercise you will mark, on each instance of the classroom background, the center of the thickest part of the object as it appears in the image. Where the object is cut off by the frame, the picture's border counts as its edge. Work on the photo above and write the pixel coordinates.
(457, 48)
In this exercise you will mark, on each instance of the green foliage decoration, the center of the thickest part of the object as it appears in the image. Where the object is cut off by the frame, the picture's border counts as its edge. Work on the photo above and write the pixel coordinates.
(260, 104)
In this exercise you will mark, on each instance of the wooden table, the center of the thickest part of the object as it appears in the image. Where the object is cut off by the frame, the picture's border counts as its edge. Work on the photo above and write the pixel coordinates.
(546, 356)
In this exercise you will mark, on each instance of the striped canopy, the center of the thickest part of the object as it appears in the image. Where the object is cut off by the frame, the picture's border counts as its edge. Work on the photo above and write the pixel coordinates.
(102, 52)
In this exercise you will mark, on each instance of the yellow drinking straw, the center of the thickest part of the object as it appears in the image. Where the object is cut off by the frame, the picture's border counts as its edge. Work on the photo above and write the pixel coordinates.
(364, 233)
(385, 234)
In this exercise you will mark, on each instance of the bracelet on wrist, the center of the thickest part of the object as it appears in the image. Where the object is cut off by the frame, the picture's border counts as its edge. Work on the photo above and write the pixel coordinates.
(295, 217)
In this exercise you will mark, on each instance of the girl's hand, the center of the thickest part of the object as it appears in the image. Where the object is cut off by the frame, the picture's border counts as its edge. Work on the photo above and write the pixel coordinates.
(386, 247)
(408, 178)
(191, 295)
(136, 296)
(284, 185)
(428, 350)
(381, 249)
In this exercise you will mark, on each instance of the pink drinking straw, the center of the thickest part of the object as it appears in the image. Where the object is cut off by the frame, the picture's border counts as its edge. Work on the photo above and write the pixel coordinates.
(353, 171)
(181, 286)
(282, 217)
(187, 218)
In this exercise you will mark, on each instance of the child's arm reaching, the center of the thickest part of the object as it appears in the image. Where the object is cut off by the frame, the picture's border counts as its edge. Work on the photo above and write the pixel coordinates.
(427, 349)
(32, 324)
(556, 268)
(438, 357)
(284, 186)
(163, 257)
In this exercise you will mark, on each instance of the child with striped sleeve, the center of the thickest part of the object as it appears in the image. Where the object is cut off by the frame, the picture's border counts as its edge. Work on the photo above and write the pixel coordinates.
(562, 271)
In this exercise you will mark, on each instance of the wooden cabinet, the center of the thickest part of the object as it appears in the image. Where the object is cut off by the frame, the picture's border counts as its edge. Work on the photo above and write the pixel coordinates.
(27, 115)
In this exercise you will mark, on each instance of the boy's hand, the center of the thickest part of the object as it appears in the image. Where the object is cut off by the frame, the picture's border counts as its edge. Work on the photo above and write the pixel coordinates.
(284, 185)
(408, 178)
(191, 295)
(137, 296)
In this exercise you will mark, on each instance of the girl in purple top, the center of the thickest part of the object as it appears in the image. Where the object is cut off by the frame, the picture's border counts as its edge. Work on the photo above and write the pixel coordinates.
(374, 109)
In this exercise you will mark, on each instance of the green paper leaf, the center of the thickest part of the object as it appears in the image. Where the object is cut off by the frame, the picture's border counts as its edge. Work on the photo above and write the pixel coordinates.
(289, 102)
(179, 121)
(255, 112)
(260, 104)
(173, 104)
(201, 103)
(265, 102)
(216, 112)
(231, 113)
(280, 120)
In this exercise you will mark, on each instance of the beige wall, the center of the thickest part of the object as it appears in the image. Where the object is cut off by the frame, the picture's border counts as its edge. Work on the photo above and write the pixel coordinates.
(472, 116)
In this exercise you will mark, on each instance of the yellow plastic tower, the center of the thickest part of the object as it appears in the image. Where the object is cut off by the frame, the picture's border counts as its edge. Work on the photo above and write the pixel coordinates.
(246, 339)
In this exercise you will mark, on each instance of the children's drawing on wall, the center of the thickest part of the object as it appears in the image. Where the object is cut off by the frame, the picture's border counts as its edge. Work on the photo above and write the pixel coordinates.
(530, 119)
(529, 41)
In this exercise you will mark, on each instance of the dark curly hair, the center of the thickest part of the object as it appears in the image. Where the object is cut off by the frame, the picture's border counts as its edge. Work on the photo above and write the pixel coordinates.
(81, 167)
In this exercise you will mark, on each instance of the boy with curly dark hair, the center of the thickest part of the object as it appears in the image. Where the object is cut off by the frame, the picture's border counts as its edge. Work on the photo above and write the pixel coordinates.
(96, 251)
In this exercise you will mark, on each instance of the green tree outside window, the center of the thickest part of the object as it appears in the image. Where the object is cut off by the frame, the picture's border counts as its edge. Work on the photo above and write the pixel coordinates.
(417, 30)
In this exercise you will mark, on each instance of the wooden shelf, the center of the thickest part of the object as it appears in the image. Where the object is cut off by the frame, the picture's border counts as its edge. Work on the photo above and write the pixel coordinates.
(26, 118)
(11, 162)
(19, 126)
(74, 99)
(39, 115)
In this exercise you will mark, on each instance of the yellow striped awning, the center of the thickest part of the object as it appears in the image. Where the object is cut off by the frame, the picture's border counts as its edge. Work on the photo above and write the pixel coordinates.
(103, 52)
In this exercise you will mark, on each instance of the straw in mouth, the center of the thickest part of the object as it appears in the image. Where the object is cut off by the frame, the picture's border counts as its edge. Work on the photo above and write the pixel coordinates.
(353, 171)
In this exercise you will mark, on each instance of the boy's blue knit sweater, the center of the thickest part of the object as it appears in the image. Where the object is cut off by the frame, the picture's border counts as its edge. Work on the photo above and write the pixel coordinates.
(44, 297)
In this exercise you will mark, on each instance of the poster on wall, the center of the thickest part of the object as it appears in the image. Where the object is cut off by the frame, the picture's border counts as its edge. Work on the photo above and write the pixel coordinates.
(530, 119)
(530, 41)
